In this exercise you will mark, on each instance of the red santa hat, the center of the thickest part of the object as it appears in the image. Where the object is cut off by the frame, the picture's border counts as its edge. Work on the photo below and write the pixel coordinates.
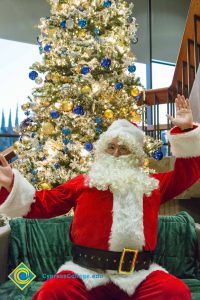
(127, 130)
(127, 133)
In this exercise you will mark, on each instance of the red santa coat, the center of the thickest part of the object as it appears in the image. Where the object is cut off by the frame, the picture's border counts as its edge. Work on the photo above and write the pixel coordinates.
(101, 223)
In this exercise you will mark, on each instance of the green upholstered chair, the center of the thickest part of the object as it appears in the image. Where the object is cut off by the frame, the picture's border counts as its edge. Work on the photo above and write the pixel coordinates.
(44, 245)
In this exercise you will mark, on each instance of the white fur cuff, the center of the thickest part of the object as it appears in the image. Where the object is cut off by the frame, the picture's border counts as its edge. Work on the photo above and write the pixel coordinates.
(185, 144)
(21, 197)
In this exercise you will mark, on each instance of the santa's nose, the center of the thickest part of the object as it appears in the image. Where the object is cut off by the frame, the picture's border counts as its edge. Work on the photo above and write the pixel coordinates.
(116, 153)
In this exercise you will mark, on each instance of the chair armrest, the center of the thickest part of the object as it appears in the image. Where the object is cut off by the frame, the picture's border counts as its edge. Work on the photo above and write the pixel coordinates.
(4, 241)
(197, 227)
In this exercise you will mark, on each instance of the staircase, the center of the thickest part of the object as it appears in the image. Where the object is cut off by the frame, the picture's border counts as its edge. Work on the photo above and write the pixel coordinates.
(186, 81)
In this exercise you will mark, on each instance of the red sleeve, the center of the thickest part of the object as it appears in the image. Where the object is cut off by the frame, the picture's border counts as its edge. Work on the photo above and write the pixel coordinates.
(3, 195)
(186, 147)
(24, 201)
(186, 172)
(55, 202)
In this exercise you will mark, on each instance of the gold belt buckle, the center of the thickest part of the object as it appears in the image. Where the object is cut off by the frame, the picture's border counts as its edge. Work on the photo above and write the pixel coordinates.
(135, 255)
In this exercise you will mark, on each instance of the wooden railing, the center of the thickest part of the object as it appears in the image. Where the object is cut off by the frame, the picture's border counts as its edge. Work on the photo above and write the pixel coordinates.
(184, 75)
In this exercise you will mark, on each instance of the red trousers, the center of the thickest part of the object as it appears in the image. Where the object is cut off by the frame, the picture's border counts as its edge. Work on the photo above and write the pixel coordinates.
(157, 286)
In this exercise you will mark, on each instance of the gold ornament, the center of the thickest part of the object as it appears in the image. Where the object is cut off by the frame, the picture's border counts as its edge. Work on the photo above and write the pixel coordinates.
(67, 105)
(46, 103)
(48, 77)
(65, 79)
(25, 106)
(121, 41)
(135, 117)
(16, 145)
(57, 146)
(26, 140)
(78, 69)
(82, 161)
(82, 33)
(33, 128)
(44, 186)
(108, 114)
(55, 77)
(135, 91)
(51, 32)
(47, 128)
(86, 89)
(146, 162)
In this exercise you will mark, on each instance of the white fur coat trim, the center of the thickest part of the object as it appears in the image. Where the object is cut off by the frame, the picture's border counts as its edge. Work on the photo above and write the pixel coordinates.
(21, 197)
(127, 229)
(92, 279)
(186, 144)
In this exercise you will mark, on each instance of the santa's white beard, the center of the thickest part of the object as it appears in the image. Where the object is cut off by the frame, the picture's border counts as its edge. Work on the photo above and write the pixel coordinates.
(120, 175)
(128, 184)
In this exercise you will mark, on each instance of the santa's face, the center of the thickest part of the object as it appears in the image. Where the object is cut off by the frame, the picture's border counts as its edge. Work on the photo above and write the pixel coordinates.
(116, 148)
(114, 165)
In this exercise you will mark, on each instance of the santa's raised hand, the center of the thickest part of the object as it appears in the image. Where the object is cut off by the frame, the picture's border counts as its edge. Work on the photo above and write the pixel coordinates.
(6, 174)
(184, 118)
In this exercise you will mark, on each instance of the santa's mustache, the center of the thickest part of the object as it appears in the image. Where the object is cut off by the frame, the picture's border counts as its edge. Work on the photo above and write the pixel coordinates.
(119, 174)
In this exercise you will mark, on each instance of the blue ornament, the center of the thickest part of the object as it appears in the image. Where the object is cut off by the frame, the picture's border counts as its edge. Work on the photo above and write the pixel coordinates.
(85, 70)
(39, 147)
(88, 146)
(43, 158)
(33, 74)
(82, 23)
(66, 141)
(99, 130)
(34, 171)
(107, 4)
(97, 31)
(106, 62)
(34, 180)
(27, 113)
(132, 68)
(57, 166)
(47, 48)
(78, 110)
(25, 123)
(33, 134)
(119, 86)
(66, 150)
(98, 120)
(134, 41)
(130, 19)
(66, 131)
(158, 155)
(63, 24)
(41, 50)
(54, 114)
(138, 97)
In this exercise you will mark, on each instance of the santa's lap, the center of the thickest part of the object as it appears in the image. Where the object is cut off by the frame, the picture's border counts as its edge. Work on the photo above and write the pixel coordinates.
(159, 285)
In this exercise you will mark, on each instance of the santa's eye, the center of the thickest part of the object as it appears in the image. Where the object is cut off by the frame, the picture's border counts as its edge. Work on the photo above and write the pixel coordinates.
(111, 147)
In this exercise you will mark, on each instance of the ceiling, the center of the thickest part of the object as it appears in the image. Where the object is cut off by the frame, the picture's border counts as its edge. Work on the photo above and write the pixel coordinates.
(18, 19)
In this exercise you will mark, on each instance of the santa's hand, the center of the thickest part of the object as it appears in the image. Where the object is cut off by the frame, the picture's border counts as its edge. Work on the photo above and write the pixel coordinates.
(184, 118)
(6, 174)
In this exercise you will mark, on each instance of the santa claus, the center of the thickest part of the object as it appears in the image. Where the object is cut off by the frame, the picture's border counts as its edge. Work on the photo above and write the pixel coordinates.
(114, 229)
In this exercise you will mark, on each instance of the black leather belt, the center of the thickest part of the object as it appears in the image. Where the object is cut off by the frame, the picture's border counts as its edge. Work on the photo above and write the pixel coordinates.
(124, 262)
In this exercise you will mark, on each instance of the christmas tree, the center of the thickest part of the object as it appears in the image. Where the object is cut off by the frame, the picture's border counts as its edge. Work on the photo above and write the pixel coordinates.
(86, 80)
